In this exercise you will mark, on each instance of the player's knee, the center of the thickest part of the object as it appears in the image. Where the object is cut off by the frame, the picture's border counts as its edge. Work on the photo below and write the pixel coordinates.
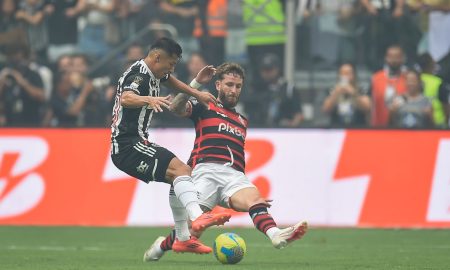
(183, 169)
(254, 201)
(177, 168)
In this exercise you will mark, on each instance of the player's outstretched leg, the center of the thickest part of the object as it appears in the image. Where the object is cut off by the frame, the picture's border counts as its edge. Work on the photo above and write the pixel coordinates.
(266, 224)
(285, 236)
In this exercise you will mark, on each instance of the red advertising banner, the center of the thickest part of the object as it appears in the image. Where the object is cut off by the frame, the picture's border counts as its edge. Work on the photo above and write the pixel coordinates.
(338, 177)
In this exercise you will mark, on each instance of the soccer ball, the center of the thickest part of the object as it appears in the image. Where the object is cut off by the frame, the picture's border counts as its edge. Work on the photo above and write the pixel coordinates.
(229, 248)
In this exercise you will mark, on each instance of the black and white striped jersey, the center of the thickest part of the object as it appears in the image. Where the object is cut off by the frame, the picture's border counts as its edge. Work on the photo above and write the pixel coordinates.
(129, 124)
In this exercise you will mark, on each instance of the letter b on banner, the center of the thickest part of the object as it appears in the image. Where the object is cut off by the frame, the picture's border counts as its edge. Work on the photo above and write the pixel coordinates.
(21, 188)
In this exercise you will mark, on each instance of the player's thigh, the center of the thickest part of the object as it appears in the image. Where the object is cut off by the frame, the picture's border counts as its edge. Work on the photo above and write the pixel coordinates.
(208, 185)
(144, 161)
(176, 168)
(239, 193)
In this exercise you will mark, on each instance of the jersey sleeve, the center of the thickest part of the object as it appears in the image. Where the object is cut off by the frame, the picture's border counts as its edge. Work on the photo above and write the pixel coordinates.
(196, 108)
(137, 82)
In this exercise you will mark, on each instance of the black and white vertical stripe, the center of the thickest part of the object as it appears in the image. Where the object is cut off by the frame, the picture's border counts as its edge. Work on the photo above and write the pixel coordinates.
(130, 122)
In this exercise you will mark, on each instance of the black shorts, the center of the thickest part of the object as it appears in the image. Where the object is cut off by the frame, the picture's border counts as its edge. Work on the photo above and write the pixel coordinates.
(143, 160)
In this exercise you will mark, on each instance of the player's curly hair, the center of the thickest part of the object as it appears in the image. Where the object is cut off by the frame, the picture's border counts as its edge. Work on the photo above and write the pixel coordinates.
(227, 68)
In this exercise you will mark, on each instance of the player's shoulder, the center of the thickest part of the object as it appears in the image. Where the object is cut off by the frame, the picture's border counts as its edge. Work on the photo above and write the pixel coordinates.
(139, 68)
(240, 115)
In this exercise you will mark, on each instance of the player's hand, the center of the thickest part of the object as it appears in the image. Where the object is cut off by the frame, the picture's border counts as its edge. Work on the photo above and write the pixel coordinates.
(158, 103)
(268, 203)
(205, 74)
(205, 98)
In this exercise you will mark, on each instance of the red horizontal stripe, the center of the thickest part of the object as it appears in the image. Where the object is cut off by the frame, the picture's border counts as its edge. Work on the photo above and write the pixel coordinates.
(219, 136)
(230, 114)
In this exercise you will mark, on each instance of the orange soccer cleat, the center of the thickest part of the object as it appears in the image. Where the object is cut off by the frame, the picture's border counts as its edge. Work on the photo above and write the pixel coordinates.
(192, 245)
(209, 219)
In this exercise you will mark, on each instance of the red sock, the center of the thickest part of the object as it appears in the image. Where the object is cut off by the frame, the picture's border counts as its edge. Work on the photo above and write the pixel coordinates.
(168, 242)
(261, 217)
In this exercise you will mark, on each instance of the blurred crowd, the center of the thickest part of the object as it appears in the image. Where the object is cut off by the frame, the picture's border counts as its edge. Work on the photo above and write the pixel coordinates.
(60, 59)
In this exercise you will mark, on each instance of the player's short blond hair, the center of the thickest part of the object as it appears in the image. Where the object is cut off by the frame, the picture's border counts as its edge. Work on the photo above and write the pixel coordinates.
(227, 68)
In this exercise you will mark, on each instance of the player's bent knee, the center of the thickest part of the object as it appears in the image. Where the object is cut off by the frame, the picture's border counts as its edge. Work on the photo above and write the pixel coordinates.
(177, 168)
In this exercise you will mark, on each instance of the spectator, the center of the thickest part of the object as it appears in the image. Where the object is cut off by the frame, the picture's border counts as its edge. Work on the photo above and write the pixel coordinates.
(211, 28)
(93, 36)
(194, 64)
(434, 89)
(235, 44)
(45, 73)
(272, 102)
(387, 22)
(62, 27)
(11, 33)
(129, 14)
(446, 97)
(64, 63)
(69, 100)
(21, 90)
(32, 14)
(439, 24)
(182, 14)
(347, 104)
(386, 84)
(265, 31)
(333, 28)
(94, 105)
(412, 109)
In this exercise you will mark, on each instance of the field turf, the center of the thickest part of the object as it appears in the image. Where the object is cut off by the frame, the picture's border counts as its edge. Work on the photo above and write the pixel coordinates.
(122, 248)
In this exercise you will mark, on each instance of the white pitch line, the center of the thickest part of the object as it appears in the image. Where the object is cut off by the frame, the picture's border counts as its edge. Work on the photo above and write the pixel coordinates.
(52, 248)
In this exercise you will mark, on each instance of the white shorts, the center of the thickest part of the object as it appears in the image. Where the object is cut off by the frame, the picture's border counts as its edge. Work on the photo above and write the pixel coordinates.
(216, 183)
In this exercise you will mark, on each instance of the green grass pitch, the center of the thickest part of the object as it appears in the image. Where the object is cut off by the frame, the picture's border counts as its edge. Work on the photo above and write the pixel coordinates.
(122, 248)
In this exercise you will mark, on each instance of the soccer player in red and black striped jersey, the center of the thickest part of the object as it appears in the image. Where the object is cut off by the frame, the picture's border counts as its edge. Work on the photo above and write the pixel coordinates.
(218, 160)
(137, 100)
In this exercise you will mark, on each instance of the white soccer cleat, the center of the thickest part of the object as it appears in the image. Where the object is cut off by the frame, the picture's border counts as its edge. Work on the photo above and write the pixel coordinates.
(154, 253)
(285, 236)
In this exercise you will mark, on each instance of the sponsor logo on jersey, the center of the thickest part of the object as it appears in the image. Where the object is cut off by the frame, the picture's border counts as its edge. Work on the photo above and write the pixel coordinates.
(136, 82)
(230, 129)
(142, 168)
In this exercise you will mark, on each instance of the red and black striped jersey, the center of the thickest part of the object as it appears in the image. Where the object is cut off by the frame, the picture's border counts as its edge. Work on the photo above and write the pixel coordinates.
(220, 136)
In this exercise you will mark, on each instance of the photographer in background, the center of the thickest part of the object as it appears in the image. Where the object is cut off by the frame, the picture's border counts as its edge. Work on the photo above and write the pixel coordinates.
(346, 103)
(271, 101)
(21, 90)
(386, 84)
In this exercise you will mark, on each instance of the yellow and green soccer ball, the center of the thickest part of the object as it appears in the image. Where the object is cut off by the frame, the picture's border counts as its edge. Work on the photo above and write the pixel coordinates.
(229, 248)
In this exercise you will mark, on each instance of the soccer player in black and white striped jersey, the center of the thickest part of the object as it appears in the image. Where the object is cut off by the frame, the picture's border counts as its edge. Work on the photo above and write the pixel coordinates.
(137, 100)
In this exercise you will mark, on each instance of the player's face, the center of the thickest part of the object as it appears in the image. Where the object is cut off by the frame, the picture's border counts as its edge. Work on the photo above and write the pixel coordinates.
(229, 89)
(165, 64)
(412, 83)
